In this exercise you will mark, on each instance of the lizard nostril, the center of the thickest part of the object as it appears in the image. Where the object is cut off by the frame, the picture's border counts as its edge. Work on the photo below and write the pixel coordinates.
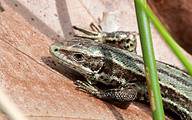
(56, 49)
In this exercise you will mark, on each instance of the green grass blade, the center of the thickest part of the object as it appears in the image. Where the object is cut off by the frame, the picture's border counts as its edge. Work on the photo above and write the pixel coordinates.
(168, 38)
(150, 63)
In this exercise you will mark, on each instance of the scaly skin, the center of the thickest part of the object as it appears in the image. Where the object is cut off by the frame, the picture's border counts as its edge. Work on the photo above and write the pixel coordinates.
(125, 72)
(121, 39)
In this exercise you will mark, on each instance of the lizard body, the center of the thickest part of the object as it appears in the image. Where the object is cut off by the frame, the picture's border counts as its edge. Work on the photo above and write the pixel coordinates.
(124, 71)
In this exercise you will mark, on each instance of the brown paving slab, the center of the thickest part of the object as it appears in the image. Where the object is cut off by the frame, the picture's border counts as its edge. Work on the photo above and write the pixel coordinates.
(3, 116)
(176, 16)
(41, 87)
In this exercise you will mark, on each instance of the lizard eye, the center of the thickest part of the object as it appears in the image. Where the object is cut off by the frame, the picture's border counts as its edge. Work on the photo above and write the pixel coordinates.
(78, 57)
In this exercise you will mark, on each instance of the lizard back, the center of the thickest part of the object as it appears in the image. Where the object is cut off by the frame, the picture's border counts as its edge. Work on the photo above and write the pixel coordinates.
(122, 69)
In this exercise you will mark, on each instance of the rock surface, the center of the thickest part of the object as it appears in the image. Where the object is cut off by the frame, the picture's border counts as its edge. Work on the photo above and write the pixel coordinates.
(43, 88)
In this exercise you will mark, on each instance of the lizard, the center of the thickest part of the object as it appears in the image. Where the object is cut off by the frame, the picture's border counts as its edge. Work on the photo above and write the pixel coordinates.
(121, 39)
(124, 71)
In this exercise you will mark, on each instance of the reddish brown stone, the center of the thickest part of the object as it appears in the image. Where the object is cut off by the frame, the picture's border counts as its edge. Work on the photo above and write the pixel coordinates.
(41, 87)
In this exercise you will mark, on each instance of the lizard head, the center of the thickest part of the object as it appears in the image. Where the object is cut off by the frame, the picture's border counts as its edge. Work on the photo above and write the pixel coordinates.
(79, 54)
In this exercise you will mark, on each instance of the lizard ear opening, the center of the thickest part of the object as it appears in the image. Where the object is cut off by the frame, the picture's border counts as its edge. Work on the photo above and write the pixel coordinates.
(97, 65)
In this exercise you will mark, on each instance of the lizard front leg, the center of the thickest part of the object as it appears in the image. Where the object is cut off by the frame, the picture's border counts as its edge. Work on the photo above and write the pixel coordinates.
(124, 40)
(117, 94)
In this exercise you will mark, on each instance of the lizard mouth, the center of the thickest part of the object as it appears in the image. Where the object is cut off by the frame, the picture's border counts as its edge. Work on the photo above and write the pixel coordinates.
(69, 58)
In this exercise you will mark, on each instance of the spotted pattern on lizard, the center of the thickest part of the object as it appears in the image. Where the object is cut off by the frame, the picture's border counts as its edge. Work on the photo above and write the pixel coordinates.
(121, 39)
(125, 72)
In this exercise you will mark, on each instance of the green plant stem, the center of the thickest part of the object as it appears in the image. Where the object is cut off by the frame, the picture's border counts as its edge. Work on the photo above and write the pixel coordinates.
(166, 35)
(150, 63)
